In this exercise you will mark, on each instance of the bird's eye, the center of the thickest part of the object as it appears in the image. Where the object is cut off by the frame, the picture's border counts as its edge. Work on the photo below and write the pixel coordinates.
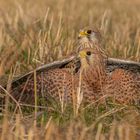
(89, 31)
(88, 53)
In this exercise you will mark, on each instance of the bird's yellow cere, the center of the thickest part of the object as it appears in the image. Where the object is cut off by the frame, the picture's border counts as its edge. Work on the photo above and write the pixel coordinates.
(83, 33)
(82, 54)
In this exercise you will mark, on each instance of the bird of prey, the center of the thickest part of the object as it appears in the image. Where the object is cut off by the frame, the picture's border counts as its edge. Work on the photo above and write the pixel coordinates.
(92, 80)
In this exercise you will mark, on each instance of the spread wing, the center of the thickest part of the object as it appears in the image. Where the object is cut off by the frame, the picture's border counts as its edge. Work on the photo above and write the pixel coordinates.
(112, 64)
(53, 65)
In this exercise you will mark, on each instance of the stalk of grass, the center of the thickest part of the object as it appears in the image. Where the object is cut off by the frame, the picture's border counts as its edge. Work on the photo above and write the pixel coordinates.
(74, 97)
(35, 97)
(98, 134)
(79, 93)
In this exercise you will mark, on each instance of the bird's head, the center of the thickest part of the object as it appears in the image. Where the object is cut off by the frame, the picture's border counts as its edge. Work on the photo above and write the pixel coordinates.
(90, 34)
(91, 57)
(88, 39)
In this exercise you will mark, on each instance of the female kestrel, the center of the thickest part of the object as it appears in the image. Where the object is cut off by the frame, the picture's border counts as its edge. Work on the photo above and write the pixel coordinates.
(92, 80)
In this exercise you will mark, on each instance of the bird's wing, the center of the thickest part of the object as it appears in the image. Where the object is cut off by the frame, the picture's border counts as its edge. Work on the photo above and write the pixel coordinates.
(121, 61)
(113, 63)
(53, 65)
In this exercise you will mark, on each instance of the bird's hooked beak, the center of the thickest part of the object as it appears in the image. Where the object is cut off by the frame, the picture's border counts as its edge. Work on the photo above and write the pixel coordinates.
(82, 33)
(82, 54)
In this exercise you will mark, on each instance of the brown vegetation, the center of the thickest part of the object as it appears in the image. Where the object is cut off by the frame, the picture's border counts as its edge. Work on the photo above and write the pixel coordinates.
(36, 32)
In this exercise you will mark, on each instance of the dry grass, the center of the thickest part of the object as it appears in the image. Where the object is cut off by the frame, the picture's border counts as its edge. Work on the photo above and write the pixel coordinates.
(35, 32)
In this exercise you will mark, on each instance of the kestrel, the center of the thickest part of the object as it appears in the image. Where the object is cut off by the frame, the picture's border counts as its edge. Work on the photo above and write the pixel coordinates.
(92, 79)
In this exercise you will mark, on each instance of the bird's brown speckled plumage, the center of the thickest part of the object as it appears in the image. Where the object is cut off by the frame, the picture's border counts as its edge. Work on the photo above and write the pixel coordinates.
(121, 85)
(125, 86)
